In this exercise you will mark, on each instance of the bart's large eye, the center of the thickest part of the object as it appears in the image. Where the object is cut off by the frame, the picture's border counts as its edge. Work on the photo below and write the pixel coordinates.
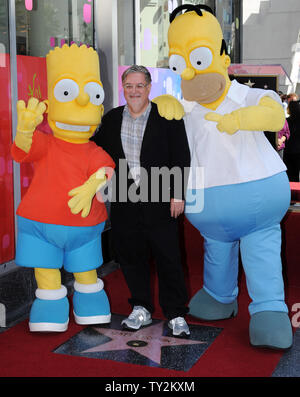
(66, 90)
(177, 63)
(95, 92)
(201, 58)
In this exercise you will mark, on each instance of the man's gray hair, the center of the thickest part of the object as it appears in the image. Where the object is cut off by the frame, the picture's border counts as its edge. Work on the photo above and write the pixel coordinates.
(137, 69)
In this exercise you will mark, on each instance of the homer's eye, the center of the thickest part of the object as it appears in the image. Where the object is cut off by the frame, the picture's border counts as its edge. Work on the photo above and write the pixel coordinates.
(201, 58)
(66, 90)
(177, 63)
(95, 92)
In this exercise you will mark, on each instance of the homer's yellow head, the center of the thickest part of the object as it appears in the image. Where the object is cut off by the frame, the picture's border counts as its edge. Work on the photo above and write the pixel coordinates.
(75, 92)
(198, 54)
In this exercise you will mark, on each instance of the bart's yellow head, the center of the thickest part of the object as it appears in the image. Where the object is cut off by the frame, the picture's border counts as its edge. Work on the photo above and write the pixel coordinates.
(198, 55)
(75, 92)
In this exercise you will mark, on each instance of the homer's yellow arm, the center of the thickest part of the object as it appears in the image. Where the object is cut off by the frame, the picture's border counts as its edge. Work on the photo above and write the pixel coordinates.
(169, 107)
(83, 195)
(28, 119)
(268, 115)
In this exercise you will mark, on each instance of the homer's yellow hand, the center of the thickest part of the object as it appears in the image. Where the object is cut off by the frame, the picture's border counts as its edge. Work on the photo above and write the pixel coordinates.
(169, 107)
(28, 119)
(84, 194)
(225, 123)
(268, 115)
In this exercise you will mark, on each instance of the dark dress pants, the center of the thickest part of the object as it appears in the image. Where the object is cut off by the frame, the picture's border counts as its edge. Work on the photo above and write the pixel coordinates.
(134, 240)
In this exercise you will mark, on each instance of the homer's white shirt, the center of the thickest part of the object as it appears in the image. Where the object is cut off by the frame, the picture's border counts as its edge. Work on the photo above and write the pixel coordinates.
(229, 159)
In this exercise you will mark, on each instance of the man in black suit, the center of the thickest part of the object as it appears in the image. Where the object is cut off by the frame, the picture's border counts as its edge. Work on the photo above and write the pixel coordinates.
(151, 155)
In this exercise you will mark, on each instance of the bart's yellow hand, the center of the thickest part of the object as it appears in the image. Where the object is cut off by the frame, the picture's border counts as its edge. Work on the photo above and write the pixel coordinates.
(225, 123)
(169, 107)
(84, 194)
(28, 119)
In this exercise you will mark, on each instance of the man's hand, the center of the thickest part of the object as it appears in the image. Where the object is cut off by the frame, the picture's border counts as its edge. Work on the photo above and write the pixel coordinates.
(169, 107)
(84, 194)
(177, 207)
(281, 141)
(28, 119)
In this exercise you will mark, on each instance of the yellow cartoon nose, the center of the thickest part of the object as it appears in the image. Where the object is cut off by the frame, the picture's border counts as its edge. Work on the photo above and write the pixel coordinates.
(83, 99)
(188, 74)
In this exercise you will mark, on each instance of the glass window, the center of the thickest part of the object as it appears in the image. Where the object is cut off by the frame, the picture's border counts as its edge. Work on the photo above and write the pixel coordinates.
(154, 24)
(126, 30)
(7, 242)
(228, 14)
(43, 24)
(210, 3)
(4, 37)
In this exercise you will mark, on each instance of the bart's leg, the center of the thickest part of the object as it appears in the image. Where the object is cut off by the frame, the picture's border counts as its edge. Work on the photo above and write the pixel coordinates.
(48, 278)
(91, 305)
(50, 309)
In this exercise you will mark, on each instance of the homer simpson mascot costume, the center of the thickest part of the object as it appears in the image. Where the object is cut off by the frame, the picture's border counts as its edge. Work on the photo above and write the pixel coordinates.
(246, 191)
(59, 219)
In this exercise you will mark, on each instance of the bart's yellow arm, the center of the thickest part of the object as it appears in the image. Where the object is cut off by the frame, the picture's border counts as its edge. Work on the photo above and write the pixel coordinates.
(268, 115)
(83, 195)
(28, 119)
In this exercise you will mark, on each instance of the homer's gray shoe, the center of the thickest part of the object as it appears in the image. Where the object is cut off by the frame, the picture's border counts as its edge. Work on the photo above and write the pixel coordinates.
(179, 326)
(137, 318)
(271, 329)
(205, 307)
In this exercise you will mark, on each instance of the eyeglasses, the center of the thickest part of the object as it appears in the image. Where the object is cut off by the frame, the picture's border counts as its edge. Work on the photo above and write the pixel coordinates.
(139, 87)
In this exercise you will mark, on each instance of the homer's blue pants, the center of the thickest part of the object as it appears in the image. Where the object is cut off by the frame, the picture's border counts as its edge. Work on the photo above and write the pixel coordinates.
(243, 217)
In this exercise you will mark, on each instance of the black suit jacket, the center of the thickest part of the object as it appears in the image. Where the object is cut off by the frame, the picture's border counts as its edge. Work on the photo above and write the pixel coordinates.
(164, 145)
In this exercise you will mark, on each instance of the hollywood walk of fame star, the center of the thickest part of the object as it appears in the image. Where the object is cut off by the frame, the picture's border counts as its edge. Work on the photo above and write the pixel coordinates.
(249, 83)
(147, 341)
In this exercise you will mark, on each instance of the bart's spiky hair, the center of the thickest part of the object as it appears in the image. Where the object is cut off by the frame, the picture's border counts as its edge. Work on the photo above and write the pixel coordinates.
(66, 51)
(71, 59)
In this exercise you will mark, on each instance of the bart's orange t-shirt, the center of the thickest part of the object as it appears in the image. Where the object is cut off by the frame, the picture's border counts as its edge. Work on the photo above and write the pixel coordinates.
(59, 167)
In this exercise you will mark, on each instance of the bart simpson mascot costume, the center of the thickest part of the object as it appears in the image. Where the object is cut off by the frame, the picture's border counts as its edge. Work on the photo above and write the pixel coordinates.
(59, 219)
(246, 190)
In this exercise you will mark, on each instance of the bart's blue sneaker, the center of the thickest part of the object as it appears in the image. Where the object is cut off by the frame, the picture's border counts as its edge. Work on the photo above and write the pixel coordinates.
(271, 329)
(49, 311)
(90, 304)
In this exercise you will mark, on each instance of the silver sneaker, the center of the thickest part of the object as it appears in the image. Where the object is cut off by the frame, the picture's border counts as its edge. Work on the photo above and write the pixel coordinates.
(137, 318)
(179, 326)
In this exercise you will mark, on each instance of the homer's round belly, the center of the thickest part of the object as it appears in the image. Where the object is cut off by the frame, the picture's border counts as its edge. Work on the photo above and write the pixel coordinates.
(227, 213)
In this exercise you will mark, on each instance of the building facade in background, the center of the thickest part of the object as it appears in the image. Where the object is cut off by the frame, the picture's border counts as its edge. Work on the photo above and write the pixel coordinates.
(271, 36)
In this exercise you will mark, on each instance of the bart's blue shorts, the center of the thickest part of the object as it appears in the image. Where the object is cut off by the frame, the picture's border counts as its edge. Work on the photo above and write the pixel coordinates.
(43, 245)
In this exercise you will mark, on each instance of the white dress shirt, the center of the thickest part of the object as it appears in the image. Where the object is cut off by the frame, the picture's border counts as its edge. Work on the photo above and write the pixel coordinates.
(229, 159)
(132, 134)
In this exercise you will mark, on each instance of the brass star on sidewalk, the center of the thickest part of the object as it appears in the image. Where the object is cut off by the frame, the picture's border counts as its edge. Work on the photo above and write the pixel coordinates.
(147, 341)
(249, 83)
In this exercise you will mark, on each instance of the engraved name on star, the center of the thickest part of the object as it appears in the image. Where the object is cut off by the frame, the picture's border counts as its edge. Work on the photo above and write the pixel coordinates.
(147, 341)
